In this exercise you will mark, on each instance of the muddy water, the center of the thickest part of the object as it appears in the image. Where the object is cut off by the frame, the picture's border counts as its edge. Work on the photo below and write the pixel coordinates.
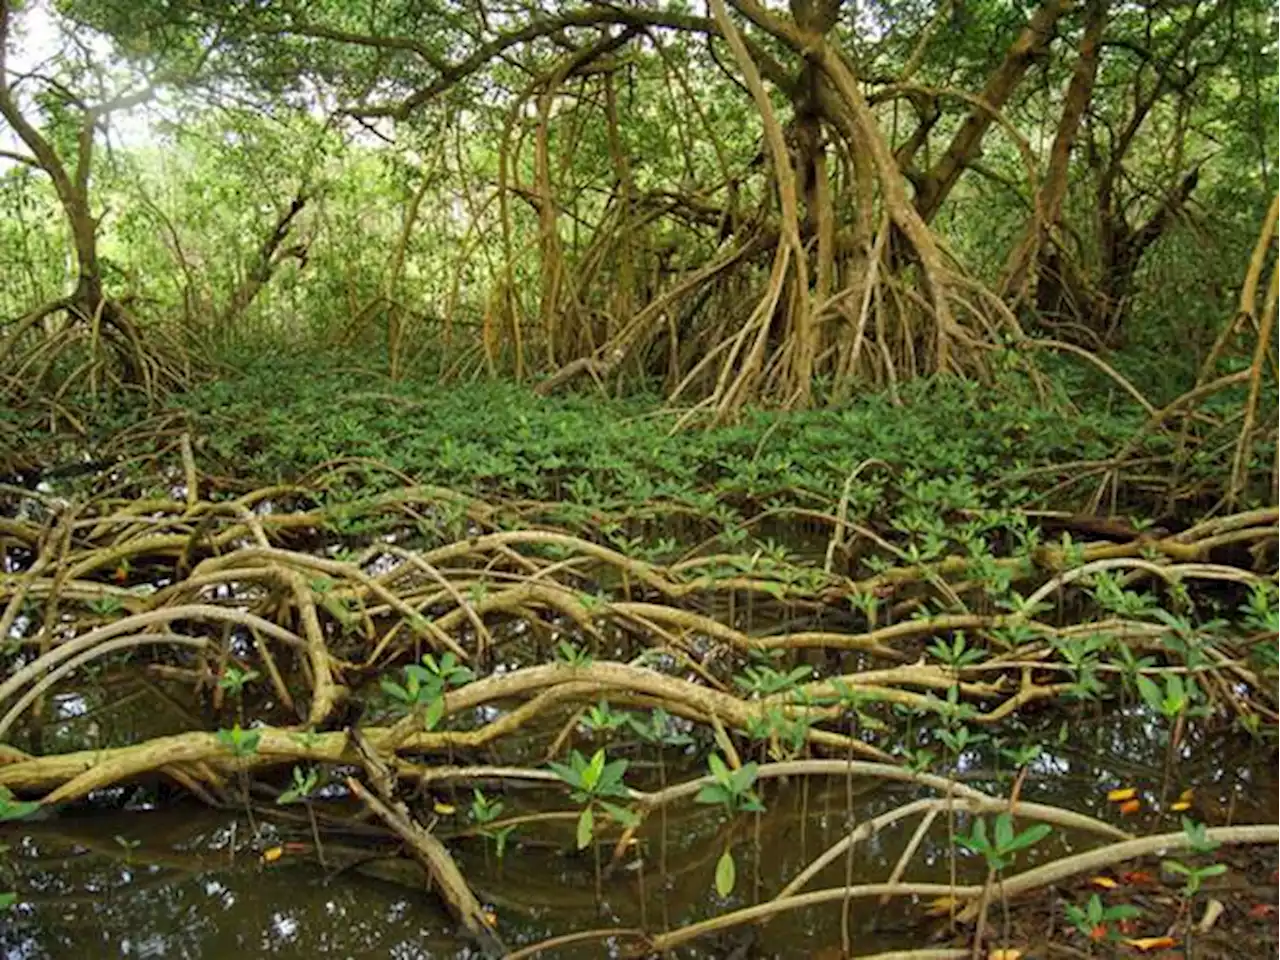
(146, 881)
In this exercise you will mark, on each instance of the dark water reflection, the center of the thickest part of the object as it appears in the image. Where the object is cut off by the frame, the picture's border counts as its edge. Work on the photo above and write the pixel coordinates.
(188, 882)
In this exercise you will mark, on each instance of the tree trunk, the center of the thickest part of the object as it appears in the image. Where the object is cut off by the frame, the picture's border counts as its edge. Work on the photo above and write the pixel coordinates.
(1053, 189)
(933, 187)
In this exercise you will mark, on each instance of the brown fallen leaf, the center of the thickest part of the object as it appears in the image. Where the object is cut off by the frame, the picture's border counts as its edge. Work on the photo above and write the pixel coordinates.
(1137, 878)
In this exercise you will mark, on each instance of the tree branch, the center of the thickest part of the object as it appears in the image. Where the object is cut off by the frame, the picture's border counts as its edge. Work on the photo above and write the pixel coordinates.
(593, 16)
(933, 188)
(20, 158)
(319, 32)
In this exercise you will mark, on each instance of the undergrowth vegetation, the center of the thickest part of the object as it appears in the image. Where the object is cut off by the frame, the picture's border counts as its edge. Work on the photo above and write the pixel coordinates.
(503, 439)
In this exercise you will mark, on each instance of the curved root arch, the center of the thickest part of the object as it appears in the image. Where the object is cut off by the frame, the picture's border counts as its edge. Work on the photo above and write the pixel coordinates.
(57, 350)
(811, 264)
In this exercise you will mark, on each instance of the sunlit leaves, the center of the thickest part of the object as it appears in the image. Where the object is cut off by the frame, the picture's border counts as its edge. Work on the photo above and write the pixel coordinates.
(592, 778)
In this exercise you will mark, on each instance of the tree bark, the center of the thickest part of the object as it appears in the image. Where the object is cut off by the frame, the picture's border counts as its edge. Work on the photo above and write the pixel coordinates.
(933, 187)
(1053, 188)
(267, 261)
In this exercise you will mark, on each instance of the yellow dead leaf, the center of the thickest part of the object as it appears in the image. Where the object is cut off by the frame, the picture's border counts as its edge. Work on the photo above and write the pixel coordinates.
(1147, 944)
(1122, 794)
(1103, 883)
(1005, 953)
(444, 809)
(1179, 806)
(490, 918)
(941, 906)
(1212, 911)
(272, 854)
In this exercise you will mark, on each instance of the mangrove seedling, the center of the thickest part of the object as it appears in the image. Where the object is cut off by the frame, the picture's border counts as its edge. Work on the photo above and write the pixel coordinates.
(1194, 877)
(659, 730)
(786, 735)
(591, 781)
(484, 812)
(567, 652)
(304, 784)
(957, 654)
(732, 791)
(242, 743)
(1171, 702)
(763, 681)
(128, 846)
(234, 679)
(998, 849)
(425, 684)
(106, 606)
(601, 718)
(1097, 922)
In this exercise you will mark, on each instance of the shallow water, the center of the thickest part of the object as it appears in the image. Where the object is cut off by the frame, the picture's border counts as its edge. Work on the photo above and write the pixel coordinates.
(141, 873)
(185, 881)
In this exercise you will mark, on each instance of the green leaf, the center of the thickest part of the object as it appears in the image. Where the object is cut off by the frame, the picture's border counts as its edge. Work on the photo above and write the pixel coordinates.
(566, 773)
(726, 874)
(1027, 838)
(1004, 832)
(743, 778)
(623, 816)
(434, 713)
(718, 768)
(1123, 911)
(610, 783)
(591, 774)
(16, 809)
(586, 827)
(713, 793)
(393, 689)
(1150, 693)
(1094, 910)
(1176, 692)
